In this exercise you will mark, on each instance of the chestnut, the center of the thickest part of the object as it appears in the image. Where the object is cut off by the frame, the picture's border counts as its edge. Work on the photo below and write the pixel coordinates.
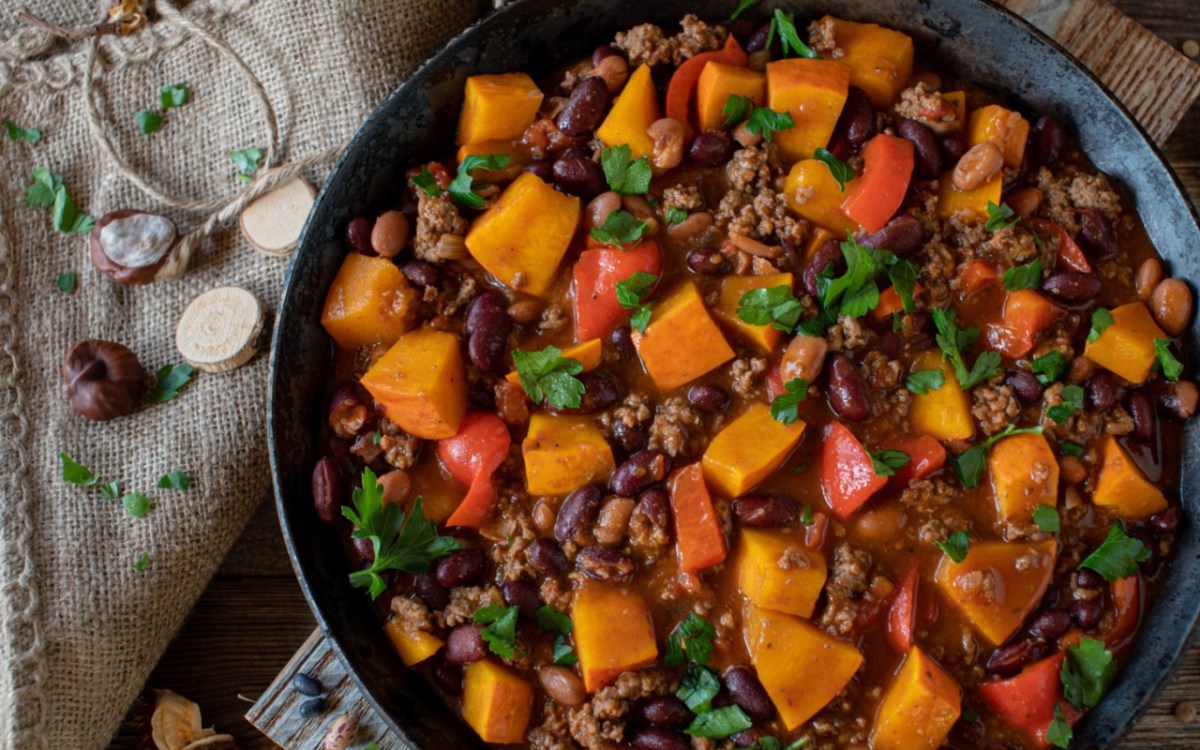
(104, 379)
(135, 247)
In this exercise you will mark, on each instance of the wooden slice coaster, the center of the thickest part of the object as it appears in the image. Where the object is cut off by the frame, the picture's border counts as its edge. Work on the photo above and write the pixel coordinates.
(220, 329)
(272, 223)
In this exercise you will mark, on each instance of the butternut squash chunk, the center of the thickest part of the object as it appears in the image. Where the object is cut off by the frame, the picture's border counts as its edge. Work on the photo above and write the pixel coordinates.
(421, 383)
(613, 633)
(813, 92)
(973, 203)
(812, 193)
(414, 646)
(718, 82)
(919, 706)
(635, 109)
(369, 302)
(801, 667)
(1024, 474)
(1003, 127)
(497, 107)
(1127, 346)
(764, 338)
(562, 453)
(518, 159)
(748, 449)
(1122, 487)
(880, 59)
(496, 702)
(775, 571)
(944, 413)
(682, 342)
(586, 353)
(998, 584)
(524, 236)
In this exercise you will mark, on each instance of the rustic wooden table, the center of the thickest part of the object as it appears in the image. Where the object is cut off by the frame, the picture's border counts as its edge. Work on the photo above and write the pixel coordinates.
(253, 617)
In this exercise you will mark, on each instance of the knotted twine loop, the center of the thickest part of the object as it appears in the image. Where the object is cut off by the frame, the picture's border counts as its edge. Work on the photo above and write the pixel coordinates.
(222, 210)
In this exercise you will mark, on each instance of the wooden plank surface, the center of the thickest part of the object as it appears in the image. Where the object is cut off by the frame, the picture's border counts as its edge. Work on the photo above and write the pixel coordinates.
(253, 618)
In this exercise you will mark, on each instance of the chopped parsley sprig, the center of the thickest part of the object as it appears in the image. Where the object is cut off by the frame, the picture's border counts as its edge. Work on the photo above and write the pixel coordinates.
(692, 641)
(619, 230)
(766, 122)
(500, 631)
(462, 187)
(548, 376)
(968, 465)
(840, 170)
(1117, 556)
(623, 173)
(632, 293)
(785, 407)
(776, 306)
(953, 341)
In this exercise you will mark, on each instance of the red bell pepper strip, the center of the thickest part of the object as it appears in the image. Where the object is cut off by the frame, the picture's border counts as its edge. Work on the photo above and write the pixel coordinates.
(697, 527)
(1070, 254)
(681, 91)
(594, 289)
(875, 197)
(902, 614)
(848, 475)
(1027, 700)
(471, 457)
(1127, 602)
(926, 455)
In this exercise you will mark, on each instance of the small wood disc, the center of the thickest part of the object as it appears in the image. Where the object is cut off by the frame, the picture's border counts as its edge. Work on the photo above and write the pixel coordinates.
(220, 329)
(272, 222)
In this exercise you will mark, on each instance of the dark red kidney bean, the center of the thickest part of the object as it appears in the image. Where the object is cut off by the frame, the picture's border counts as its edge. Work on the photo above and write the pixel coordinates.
(667, 711)
(928, 153)
(486, 304)
(708, 261)
(543, 168)
(829, 256)
(358, 235)
(465, 645)
(630, 438)
(622, 341)
(1088, 579)
(742, 29)
(1025, 385)
(655, 738)
(1009, 659)
(584, 108)
(1072, 286)
(708, 397)
(547, 557)
(486, 348)
(1096, 234)
(578, 175)
(1086, 613)
(1141, 408)
(1166, 521)
(421, 273)
(742, 683)
(902, 235)
(448, 676)
(847, 393)
(639, 471)
(764, 509)
(461, 568)
(655, 505)
(758, 40)
(578, 513)
(599, 393)
(1180, 399)
(605, 564)
(1102, 390)
(522, 595)
(749, 737)
(953, 147)
(857, 121)
(434, 594)
(364, 549)
(603, 51)
(1050, 625)
(1049, 141)
(710, 148)
(329, 494)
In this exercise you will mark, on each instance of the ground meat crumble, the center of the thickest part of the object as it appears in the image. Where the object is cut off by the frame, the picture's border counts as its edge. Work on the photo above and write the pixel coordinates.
(648, 44)
(600, 721)
(675, 423)
(435, 217)
(752, 206)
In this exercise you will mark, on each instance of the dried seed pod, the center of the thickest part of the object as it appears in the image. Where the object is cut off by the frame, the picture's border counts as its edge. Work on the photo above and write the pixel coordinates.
(341, 732)
(104, 379)
(175, 723)
(135, 247)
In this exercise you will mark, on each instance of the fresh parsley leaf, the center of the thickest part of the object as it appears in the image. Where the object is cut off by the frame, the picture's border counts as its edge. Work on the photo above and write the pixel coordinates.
(142, 562)
(247, 161)
(551, 620)
(631, 293)
(955, 546)
(426, 183)
(501, 631)
(1071, 448)
(76, 473)
(110, 491)
(1171, 367)
(806, 517)
(1049, 367)
(623, 173)
(376, 436)
(785, 407)
(952, 341)
(1046, 518)
(743, 6)
(18, 133)
(897, 324)
(854, 293)
(674, 215)
(136, 504)
(1059, 733)
(790, 38)
(968, 465)
(65, 282)
(840, 170)
(563, 654)
(698, 687)
(774, 305)
(1027, 276)
(174, 96)
(1000, 217)
(169, 380)
(548, 376)
(903, 275)
(694, 636)
(148, 121)
(736, 108)
(922, 382)
(817, 325)
(401, 541)
(1101, 320)
(1087, 673)
(720, 722)
(765, 122)
(461, 188)
(174, 480)
(620, 229)
(887, 462)
(1072, 401)
(1117, 556)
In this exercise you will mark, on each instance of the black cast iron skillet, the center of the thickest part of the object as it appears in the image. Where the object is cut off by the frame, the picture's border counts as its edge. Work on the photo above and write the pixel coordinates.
(977, 42)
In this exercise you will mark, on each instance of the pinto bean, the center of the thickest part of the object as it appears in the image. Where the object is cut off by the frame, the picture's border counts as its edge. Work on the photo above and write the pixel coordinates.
(668, 135)
(694, 225)
(764, 509)
(1180, 398)
(708, 397)
(1071, 286)
(744, 687)
(708, 261)
(614, 71)
(1009, 659)
(547, 557)
(710, 148)
(981, 163)
(827, 255)
(847, 393)
(577, 514)
(857, 121)
(561, 685)
(390, 234)
(613, 520)
(578, 175)
(667, 711)
(348, 410)
(1148, 276)
(1024, 201)
(584, 108)
(638, 472)
(601, 206)
(605, 564)
(902, 235)
(1171, 303)
(803, 358)
(461, 568)
(465, 645)
(329, 493)
(927, 153)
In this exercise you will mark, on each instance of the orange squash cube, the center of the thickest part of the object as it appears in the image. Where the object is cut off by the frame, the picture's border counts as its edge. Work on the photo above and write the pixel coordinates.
(880, 59)
(369, 302)
(496, 702)
(998, 584)
(764, 338)
(944, 413)
(586, 353)
(635, 109)
(973, 203)
(1003, 127)
(1122, 487)
(919, 706)
(497, 107)
(421, 383)
(812, 193)
(775, 571)
(718, 82)
(682, 342)
(1024, 474)
(414, 646)
(613, 633)
(748, 449)
(813, 92)
(1127, 346)
(562, 453)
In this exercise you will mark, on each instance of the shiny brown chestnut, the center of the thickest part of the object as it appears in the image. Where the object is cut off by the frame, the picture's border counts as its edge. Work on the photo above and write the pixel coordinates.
(104, 379)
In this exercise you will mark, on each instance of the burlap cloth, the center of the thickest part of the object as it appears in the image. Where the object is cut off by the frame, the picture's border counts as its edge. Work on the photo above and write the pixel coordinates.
(80, 628)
